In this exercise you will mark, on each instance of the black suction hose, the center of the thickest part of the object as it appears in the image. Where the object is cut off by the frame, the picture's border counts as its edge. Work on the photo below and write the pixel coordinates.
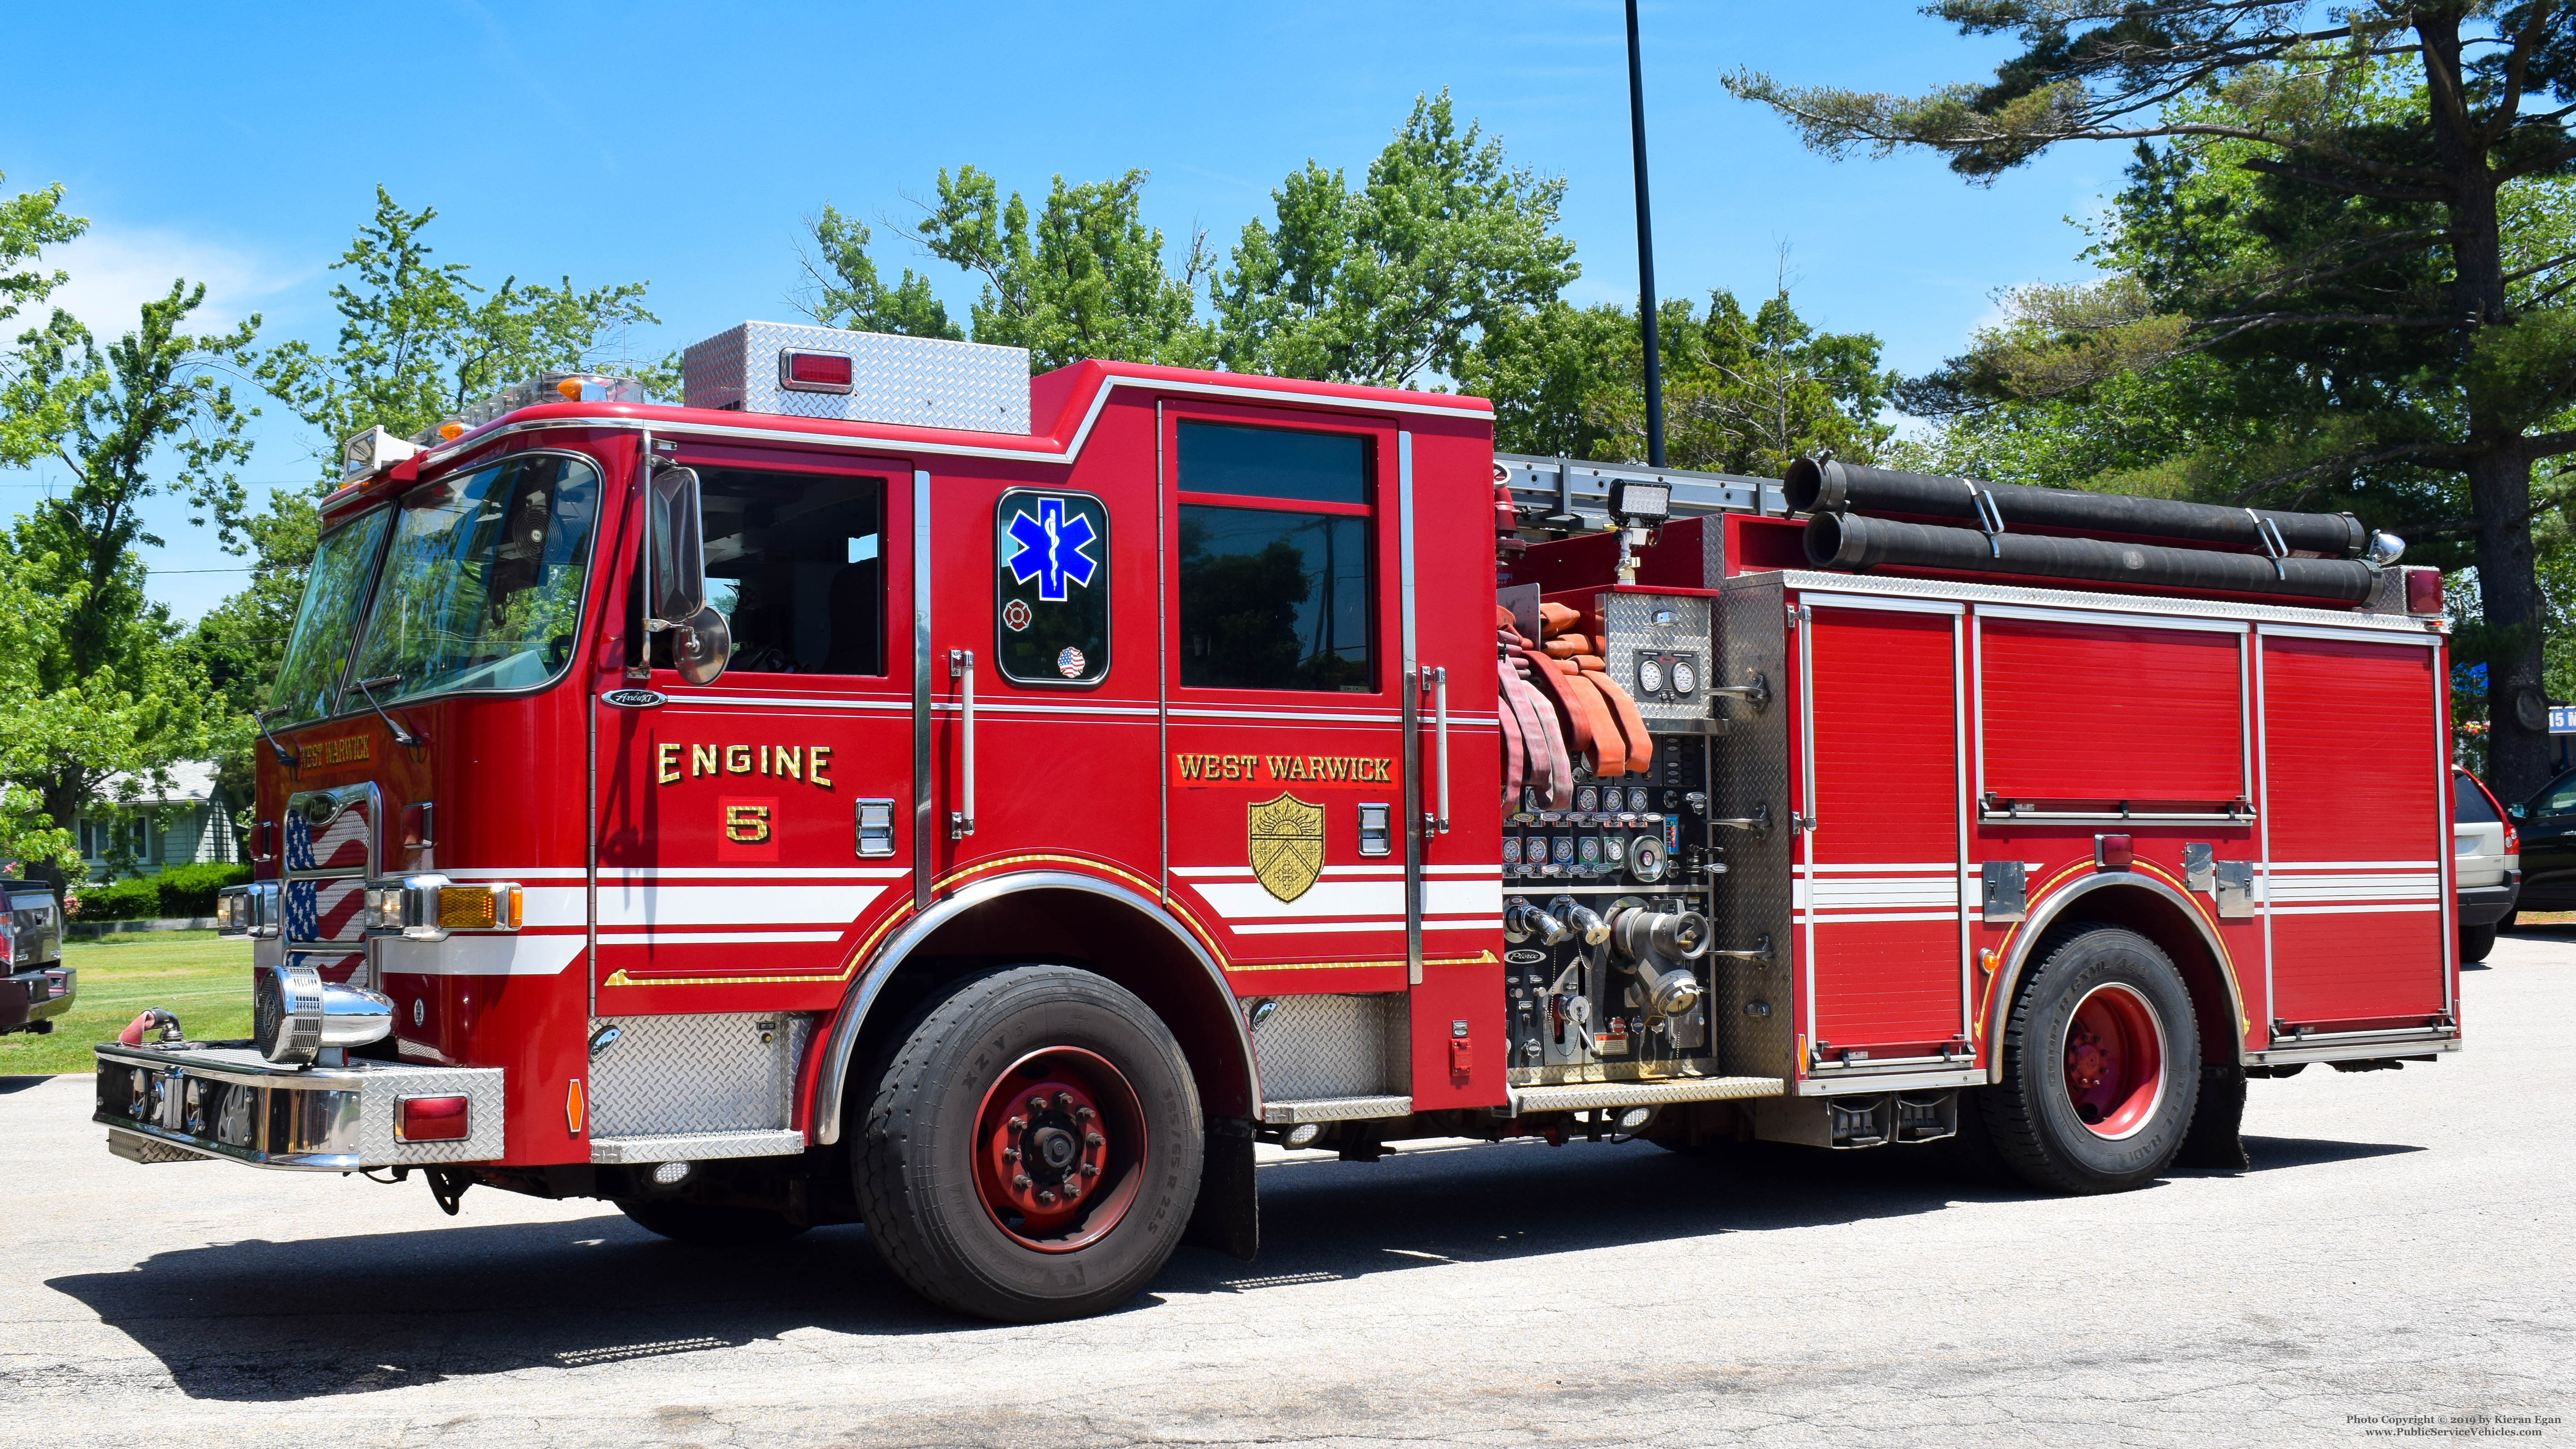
(1848, 541)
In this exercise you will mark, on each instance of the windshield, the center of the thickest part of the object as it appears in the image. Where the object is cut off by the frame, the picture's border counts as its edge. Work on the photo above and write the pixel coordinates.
(317, 653)
(483, 581)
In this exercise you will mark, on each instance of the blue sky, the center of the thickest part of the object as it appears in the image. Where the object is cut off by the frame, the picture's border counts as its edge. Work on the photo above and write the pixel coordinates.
(684, 146)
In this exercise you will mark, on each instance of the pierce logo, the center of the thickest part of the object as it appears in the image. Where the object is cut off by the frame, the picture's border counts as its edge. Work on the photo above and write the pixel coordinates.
(633, 698)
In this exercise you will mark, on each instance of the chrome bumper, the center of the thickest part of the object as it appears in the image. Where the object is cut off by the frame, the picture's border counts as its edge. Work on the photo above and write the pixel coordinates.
(38, 994)
(176, 1102)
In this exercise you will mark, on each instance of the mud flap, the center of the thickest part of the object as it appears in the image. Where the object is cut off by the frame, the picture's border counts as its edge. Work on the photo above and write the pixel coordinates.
(2217, 1122)
(1227, 1217)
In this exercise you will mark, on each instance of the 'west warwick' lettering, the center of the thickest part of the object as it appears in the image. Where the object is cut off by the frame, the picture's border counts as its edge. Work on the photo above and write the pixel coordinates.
(1196, 769)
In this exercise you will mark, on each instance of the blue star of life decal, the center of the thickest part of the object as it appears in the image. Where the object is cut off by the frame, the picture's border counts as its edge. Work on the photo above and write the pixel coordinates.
(1051, 550)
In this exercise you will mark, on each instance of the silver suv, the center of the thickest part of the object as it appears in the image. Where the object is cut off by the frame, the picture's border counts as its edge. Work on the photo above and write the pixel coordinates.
(2486, 864)
(35, 987)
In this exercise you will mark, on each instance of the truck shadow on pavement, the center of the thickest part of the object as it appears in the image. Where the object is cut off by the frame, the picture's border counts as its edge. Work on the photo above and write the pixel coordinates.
(261, 1321)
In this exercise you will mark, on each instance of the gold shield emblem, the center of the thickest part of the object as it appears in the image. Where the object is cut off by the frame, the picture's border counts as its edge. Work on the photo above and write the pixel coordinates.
(1287, 845)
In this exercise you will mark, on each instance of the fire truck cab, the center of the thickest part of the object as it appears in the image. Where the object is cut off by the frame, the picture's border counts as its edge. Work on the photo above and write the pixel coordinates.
(892, 788)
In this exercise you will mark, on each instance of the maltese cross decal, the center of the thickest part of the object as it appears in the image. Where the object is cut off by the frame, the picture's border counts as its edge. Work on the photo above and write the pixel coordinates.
(1051, 550)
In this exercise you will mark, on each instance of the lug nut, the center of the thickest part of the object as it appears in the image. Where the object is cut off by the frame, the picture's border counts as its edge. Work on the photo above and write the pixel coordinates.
(1020, 1181)
(1083, 1114)
(1091, 1169)
(1064, 1100)
(1010, 1154)
(1072, 1190)
(1046, 1199)
(1019, 1124)
(1092, 1139)
(1037, 1104)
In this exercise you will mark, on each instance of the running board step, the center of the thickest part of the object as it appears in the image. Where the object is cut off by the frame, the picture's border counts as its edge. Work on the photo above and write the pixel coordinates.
(1584, 1096)
(697, 1146)
(1334, 1109)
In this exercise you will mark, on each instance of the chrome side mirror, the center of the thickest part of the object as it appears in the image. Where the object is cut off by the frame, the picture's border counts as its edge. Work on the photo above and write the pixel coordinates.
(702, 646)
(675, 556)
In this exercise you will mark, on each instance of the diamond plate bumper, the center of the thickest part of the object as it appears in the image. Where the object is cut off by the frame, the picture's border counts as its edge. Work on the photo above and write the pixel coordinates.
(227, 1101)
(1582, 1096)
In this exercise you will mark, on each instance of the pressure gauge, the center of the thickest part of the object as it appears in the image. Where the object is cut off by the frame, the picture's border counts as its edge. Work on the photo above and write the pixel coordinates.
(1587, 798)
(1637, 798)
(1511, 850)
(1685, 676)
(1646, 858)
(1590, 848)
(1614, 851)
(1564, 848)
(1650, 676)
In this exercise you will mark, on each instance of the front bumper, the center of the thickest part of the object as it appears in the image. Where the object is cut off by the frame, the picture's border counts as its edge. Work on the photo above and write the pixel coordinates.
(2485, 905)
(182, 1101)
(42, 994)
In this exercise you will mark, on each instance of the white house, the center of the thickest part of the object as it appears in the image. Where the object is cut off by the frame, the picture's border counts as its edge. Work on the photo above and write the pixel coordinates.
(194, 822)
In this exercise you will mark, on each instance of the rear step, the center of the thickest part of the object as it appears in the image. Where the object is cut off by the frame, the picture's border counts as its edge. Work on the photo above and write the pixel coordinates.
(1581, 1096)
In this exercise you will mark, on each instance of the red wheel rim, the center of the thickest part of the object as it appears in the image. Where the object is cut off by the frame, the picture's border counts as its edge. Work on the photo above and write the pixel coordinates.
(1059, 1149)
(2114, 1061)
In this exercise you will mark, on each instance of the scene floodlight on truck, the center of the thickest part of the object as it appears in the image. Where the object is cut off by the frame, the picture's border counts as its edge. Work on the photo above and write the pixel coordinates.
(890, 788)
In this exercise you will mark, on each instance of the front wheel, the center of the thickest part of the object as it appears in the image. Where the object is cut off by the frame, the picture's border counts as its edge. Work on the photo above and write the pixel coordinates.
(1033, 1149)
(2101, 1066)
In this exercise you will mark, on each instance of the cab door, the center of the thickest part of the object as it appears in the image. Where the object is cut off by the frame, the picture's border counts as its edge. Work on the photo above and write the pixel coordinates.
(752, 829)
(1285, 768)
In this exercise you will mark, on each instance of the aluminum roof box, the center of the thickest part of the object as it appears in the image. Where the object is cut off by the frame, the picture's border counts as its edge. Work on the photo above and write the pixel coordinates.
(871, 377)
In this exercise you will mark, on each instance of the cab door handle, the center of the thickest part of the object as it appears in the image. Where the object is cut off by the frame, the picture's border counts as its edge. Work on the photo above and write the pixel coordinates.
(961, 667)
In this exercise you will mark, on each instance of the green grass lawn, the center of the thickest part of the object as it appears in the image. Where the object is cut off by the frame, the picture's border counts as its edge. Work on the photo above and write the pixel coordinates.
(204, 980)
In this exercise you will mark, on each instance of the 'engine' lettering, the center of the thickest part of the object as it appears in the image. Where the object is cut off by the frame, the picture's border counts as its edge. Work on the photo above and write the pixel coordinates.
(809, 763)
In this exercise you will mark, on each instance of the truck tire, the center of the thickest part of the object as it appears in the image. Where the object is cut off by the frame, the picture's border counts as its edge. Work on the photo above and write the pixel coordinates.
(2476, 942)
(1032, 1151)
(2101, 1065)
(700, 1225)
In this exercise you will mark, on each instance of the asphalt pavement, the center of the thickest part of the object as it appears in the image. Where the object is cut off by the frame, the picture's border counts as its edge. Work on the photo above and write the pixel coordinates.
(2399, 1258)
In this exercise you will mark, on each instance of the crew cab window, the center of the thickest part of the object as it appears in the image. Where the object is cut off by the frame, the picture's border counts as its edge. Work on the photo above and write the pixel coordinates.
(1277, 582)
(796, 563)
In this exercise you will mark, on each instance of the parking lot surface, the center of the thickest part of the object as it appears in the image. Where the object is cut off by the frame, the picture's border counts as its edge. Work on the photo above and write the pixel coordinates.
(2399, 1257)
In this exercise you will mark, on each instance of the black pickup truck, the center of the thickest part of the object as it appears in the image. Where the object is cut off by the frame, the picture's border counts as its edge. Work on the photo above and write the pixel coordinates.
(35, 987)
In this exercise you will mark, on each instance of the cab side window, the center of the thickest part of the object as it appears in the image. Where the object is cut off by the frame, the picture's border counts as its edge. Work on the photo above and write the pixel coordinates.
(1277, 582)
(795, 561)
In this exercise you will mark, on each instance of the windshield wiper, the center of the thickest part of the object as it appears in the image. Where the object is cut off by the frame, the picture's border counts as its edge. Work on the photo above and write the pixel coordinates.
(368, 687)
(261, 719)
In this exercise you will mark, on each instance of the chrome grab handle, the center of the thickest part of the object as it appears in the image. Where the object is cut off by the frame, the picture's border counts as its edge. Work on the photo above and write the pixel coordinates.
(1439, 678)
(961, 667)
(1761, 951)
(1759, 822)
(1756, 694)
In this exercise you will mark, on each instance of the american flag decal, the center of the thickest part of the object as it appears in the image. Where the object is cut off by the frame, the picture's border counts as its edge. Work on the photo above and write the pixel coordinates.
(342, 845)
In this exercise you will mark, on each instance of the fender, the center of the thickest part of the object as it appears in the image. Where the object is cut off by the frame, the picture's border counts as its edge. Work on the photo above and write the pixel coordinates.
(845, 1031)
(2045, 914)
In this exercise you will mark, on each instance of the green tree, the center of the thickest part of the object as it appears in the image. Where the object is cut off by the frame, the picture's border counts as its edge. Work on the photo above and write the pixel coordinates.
(2363, 274)
(1394, 280)
(1087, 279)
(99, 685)
(1743, 393)
(844, 289)
(419, 339)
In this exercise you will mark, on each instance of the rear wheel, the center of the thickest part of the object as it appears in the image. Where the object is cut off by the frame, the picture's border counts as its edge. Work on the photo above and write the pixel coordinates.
(2476, 942)
(710, 1227)
(1033, 1149)
(2101, 1065)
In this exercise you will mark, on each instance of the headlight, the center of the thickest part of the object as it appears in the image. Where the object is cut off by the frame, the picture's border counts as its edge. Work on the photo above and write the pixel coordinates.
(1650, 677)
(255, 909)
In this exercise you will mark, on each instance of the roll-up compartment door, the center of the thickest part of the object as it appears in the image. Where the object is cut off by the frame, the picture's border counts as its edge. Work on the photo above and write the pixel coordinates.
(1877, 893)
(2354, 770)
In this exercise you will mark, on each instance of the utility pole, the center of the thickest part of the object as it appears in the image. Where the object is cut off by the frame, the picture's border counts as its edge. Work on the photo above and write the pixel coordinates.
(1645, 250)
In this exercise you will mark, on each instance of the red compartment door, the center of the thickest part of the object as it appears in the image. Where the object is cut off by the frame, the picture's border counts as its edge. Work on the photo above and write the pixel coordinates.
(2355, 826)
(1878, 881)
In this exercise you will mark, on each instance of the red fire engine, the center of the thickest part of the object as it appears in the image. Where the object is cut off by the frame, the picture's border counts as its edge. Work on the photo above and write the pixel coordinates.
(890, 788)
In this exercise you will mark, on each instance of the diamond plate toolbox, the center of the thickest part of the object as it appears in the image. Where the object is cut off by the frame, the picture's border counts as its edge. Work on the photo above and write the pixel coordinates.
(922, 382)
